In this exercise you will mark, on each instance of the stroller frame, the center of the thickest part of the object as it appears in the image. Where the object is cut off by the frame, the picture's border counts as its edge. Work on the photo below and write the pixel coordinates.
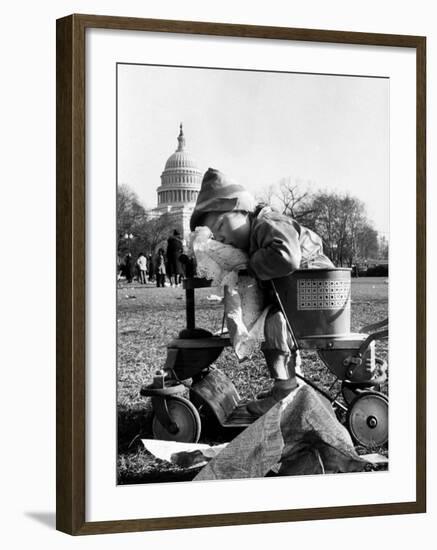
(350, 357)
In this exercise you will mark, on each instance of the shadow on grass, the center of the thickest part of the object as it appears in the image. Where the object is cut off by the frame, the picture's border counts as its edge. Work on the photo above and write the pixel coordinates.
(133, 425)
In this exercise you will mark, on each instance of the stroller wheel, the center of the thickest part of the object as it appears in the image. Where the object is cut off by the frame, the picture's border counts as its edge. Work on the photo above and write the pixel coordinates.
(184, 414)
(350, 390)
(367, 419)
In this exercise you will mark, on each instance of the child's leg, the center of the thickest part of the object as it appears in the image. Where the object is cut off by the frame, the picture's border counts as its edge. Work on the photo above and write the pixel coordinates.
(277, 337)
(281, 360)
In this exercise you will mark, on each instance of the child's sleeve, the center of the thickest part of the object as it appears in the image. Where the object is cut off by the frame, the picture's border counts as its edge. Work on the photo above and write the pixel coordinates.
(278, 250)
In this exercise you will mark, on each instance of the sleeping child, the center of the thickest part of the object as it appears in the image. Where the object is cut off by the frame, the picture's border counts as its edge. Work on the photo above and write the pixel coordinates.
(276, 245)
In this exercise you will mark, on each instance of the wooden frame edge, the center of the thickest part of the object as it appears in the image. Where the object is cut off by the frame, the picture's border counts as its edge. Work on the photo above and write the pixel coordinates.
(421, 463)
(70, 274)
(247, 518)
(246, 31)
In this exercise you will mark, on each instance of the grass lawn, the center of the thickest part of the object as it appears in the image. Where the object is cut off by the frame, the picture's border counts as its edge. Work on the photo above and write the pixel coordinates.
(149, 317)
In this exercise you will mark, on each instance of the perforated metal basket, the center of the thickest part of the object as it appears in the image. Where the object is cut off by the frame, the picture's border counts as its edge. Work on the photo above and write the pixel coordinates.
(317, 301)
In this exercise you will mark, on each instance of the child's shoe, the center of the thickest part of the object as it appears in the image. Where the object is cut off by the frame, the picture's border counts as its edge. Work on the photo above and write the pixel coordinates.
(281, 388)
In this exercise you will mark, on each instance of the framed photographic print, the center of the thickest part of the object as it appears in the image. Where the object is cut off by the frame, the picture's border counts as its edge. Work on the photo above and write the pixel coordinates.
(240, 274)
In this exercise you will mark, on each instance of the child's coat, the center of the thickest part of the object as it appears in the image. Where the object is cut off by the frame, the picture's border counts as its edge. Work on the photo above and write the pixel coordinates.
(279, 245)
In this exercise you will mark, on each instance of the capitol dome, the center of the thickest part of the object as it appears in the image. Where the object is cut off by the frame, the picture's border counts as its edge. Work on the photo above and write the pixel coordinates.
(181, 178)
(179, 159)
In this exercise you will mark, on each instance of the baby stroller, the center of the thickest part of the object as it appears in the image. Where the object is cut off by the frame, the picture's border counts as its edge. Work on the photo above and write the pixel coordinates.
(317, 306)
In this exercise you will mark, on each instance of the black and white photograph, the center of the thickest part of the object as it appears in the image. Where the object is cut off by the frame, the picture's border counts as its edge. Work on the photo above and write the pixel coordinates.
(218, 288)
(252, 273)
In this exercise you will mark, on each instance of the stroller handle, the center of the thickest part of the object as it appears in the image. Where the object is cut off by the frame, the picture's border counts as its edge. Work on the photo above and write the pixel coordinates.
(293, 336)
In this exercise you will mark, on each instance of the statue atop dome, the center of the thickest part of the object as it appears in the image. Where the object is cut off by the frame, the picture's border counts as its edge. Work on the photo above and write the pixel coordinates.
(181, 139)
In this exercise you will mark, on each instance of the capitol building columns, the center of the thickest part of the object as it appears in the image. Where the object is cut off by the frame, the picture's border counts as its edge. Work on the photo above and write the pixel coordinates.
(178, 196)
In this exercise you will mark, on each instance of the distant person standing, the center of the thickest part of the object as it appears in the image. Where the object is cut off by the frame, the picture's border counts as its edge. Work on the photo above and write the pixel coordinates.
(160, 268)
(128, 268)
(119, 268)
(142, 268)
(174, 249)
(151, 267)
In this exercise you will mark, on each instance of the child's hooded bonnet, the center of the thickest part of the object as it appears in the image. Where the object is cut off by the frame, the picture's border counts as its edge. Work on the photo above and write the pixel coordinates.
(219, 193)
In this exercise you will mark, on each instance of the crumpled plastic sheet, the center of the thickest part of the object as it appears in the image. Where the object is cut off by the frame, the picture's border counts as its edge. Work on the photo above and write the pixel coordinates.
(299, 435)
(245, 313)
(245, 316)
(216, 261)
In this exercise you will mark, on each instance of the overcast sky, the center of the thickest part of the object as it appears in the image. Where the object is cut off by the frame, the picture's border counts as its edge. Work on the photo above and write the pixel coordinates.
(258, 127)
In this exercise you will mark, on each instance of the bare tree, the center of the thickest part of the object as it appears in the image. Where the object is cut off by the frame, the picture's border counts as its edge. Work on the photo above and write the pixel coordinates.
(383, 247)
(341, 221)
(368, 244)
(131, 216)
(130, 212)
(156, 232)
(288, 197)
